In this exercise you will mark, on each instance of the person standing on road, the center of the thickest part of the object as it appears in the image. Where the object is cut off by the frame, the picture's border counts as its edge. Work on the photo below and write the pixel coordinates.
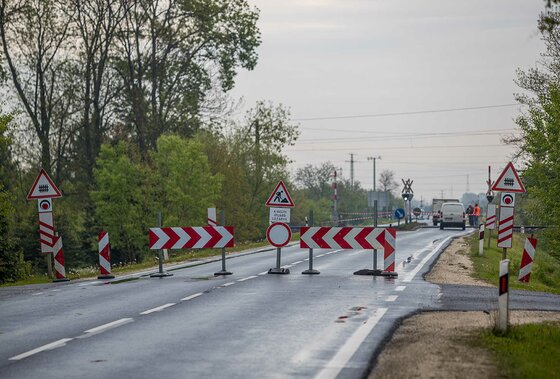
(469, 212)
(476, 215)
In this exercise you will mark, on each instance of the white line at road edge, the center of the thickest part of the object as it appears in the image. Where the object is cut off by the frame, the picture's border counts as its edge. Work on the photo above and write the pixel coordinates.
(227, 284)
(157, 309)
(339, 361)
(109, 325)
(247, 278)
(50, 346)
(191, 296)
(413, 273)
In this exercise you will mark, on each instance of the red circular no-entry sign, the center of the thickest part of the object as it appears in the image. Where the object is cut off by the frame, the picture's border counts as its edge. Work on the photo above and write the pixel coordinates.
(278, 234)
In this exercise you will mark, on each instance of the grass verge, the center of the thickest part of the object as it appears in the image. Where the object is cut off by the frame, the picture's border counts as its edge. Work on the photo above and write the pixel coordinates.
(546, 269)
(527, 351)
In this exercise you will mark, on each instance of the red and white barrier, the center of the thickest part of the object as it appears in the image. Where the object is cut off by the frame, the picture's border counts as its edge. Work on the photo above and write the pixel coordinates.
(104, 256)
(481, 239)
(389, 249)
(196, 237)
(505, 227)
(491, 217)
(59, 269)
(527, 260)
(212, 218)
(46, 232)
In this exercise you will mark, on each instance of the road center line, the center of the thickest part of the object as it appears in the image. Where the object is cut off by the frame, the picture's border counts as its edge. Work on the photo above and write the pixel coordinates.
(227, 284)
(88, 284)
(400, 288)
(391, 298)
(247, 278)
(50, 346)
(297, 262)
(191, 296)
(37, 293)
(413, 273)
(109, 325)
(319, 256)
(157, 309)
(339, 361)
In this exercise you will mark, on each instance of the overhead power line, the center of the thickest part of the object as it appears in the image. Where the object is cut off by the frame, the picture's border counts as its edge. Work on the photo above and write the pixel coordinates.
(405, 113)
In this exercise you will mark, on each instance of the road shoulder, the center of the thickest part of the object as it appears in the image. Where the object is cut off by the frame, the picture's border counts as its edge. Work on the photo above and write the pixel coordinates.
(440, 344)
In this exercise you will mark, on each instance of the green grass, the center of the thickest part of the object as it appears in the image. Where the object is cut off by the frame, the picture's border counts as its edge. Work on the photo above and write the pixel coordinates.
(546, 269)
(175, 257)
(526, 351)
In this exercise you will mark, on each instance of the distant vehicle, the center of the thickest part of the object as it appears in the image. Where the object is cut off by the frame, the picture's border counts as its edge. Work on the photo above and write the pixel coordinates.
(452, 214)
(436, 208)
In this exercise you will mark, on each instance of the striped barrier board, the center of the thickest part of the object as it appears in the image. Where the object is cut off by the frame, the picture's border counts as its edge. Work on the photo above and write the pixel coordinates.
(505, 227)
(104, 255)
(59, 268)
(191, 237)
(527, 260)
(491, 217)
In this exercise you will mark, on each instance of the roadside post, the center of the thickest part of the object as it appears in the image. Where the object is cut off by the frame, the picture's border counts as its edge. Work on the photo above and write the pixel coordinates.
(223, 271)
(104, 248)
(481, 239)
(310, 270)
(44, 190)
(160, 273)
(508, 183)
(279, 233)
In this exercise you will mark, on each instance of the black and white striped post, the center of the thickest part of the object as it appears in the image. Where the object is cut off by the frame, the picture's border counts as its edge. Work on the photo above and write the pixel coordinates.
(310, 270)
(503, 296)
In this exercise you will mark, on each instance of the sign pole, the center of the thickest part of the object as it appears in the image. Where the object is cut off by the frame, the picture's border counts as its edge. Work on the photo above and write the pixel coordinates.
(310, 271)
(223, 271)
(160, 273)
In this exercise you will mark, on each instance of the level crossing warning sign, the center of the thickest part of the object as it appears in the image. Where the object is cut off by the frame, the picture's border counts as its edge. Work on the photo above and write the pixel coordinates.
(280, 197)
(509, 181)
(43, 188)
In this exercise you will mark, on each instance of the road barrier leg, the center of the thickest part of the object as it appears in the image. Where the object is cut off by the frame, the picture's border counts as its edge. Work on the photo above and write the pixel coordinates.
(212, 212)
(278, 269)
(310, 270)
(104, 248)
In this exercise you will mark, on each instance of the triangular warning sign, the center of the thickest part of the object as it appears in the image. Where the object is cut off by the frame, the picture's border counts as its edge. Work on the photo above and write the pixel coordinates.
(280, 197)
(509, 181)
(43, 187)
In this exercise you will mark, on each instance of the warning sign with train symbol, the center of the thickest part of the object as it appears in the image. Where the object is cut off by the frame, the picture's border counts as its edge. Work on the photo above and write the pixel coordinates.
(509, 181)
(43, 188)
(280, 197)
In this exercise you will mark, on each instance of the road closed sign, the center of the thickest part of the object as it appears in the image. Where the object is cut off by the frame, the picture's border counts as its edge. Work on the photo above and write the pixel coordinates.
(278, 234)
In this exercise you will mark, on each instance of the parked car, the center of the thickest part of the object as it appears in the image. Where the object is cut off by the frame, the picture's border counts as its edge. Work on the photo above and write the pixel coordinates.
(452, 214)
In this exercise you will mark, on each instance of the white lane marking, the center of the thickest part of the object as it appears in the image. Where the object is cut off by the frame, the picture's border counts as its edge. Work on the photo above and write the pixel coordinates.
(319, 256)
(109, 325)
(50, 346)
(55, 290)
(88, 284)
(339, 361)
(263, 273)
(287, 266)
(227, 284)
(306, 259)
(247, 278)
(157, 309)
(400, 288)
(297, 263)
(391, 298)
(37, 293)
(191, 296)
(413, 273)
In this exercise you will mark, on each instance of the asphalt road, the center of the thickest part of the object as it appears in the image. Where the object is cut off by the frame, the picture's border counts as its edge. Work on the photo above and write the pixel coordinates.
(247, 325)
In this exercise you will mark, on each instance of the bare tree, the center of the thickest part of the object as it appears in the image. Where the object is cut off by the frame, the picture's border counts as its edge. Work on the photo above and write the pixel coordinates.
(387, 181)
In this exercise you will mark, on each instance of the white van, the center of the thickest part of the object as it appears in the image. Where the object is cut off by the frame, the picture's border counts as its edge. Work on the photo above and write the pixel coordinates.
(452, 214)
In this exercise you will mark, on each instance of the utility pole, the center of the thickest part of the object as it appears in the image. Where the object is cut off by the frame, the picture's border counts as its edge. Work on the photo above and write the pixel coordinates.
(373, 159)
(335, 200)
(468, 185)
(351, 171)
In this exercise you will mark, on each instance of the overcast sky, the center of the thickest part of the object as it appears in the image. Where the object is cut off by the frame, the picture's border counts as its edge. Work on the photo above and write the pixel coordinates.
(327, 58)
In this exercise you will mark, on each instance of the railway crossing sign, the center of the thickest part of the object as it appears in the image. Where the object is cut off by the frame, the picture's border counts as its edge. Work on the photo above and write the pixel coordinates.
(509, 181)
(280, 197)
(43, 188)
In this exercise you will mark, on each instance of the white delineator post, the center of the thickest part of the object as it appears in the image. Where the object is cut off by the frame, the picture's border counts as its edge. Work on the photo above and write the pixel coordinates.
(527, 260)
(481, 239)
(503, 298)
(59, 269)
(104, 256)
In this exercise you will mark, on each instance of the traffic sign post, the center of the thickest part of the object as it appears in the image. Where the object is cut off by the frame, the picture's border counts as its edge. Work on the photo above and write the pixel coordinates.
(160, 273)
(44, 190)
(310, 270)
(279, 232)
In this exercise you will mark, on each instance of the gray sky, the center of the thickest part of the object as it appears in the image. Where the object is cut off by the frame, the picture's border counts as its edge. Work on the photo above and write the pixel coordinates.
(327, 58)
